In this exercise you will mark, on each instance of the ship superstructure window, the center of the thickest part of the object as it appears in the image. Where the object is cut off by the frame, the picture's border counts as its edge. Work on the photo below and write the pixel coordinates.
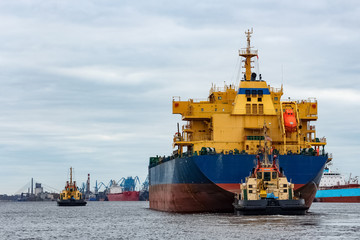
(247, 92)
(254, 93)
(219, 97)
(260, 93)
(254, 108)
(274, 175)
(248, 109)
(267, 176)
(202, 109)
(259, 175)
(261, 108)
(275, 98)
(259, 99)
(248, 99)
(215, 109)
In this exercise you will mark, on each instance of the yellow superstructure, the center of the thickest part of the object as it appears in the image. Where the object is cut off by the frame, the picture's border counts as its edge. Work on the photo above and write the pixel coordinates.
(231, 119)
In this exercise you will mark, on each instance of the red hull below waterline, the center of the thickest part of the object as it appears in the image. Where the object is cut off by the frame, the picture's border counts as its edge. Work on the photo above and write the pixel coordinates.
(125, 196)
(352, 199)
(190, 198)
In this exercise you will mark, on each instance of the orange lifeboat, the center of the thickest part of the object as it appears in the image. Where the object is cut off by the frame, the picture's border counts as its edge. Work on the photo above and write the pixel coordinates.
(290, 120)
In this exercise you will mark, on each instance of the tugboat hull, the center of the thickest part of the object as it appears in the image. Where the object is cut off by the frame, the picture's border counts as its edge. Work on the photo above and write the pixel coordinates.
(270, 207)
(71, 203)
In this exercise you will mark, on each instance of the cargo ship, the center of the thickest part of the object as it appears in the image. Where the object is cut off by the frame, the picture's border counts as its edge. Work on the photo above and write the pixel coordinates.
(218, 143)
(124, 190)
(334, 187)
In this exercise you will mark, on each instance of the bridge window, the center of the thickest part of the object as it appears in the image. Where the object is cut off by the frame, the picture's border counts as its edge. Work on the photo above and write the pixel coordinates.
(254, 93)
(259, 175)
(274, 175)
(260, 93)
(267, 176)
(247, 92)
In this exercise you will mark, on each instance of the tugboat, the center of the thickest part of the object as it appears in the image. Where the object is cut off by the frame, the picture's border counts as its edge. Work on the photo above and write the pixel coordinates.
(71, 196)
(267, 190)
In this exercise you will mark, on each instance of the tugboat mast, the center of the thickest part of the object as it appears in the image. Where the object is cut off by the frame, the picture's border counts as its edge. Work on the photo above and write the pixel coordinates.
(70, 175)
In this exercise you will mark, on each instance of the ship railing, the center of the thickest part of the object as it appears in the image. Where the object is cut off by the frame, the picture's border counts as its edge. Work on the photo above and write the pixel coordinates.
(176, 98)
(221, 89)
(309, 100)
(275, 90)
(197, 100)
(248, 51)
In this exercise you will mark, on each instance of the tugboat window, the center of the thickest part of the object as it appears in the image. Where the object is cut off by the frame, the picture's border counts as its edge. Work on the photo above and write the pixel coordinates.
(259, 175)
(274, 175)
(267, 176)
(250, 191)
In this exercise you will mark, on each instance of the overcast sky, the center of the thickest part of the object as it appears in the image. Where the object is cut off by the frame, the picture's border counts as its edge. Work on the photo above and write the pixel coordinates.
(89, 84)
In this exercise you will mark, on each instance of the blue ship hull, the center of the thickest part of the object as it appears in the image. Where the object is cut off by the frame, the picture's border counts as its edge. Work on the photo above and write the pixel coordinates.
(206, 183)
(348, 194)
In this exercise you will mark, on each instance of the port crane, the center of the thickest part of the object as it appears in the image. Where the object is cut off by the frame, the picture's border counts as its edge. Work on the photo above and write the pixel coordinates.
(129, 183)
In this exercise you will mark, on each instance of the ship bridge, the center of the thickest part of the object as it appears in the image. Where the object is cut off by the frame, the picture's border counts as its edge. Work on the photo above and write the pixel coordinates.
(231, 118)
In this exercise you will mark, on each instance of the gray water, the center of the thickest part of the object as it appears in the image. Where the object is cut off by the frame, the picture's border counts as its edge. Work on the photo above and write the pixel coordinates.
(134, 220)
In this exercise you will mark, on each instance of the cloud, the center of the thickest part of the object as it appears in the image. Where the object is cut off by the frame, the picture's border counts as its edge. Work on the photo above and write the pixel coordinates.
(89, 84)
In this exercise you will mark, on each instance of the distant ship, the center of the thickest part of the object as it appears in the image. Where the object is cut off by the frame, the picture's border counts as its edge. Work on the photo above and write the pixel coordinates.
(218, 144)
(124, 190)
(71, 196)
(334, 187)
